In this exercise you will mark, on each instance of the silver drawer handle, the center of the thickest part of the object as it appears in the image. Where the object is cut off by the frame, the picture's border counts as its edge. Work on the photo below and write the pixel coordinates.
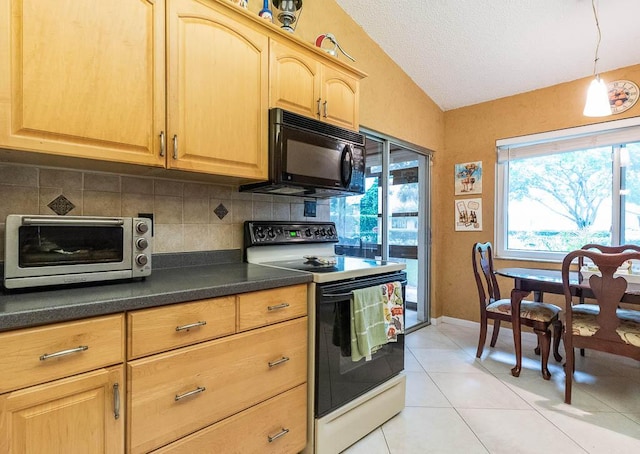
(198, 390)
(64, 352)
(284, 359)
(278, 306)
(191, 325)
(278, 435)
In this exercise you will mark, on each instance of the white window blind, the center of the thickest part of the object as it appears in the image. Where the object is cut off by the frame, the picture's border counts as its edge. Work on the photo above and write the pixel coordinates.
(580, 138)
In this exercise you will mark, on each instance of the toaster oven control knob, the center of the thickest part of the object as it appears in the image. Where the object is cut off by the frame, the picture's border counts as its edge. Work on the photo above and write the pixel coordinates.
(142, 227)
(142, 259)
(142, 243)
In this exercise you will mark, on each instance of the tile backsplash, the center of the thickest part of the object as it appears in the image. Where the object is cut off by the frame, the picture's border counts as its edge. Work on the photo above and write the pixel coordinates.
(188, 216)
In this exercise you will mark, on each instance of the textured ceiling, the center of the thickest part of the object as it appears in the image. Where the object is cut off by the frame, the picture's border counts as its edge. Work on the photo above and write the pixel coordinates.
(463, 52)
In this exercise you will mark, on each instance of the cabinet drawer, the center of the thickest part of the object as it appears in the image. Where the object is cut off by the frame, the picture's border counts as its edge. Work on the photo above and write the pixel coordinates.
(36, 355)
(278, 425)
(270, 306)
(176, 393)
(160, 329)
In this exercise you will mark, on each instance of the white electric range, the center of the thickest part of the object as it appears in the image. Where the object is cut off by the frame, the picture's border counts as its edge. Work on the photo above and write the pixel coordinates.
(347, 399)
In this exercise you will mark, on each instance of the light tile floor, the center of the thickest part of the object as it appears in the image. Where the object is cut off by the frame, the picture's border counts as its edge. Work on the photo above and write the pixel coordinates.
(459, 404)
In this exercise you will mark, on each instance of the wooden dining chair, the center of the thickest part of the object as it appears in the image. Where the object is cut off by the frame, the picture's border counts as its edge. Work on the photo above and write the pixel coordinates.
(608, 250)
(537, 315)
(602, 326)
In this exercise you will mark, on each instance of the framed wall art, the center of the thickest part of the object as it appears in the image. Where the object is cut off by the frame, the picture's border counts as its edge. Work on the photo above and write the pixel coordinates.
(468, 214)
(468, 178)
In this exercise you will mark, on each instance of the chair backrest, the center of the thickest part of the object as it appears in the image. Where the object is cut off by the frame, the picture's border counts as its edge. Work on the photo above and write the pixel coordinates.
(488, 290)
(607, 289)
(607, 250)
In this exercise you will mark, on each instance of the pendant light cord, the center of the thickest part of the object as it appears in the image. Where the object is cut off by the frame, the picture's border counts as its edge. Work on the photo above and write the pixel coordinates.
(595, 15)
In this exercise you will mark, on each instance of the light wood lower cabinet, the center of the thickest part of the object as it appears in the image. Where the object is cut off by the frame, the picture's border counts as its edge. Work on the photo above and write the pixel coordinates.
(76, 415)
(219, 375)
(173, 394)
(275, 426)
(63, 388)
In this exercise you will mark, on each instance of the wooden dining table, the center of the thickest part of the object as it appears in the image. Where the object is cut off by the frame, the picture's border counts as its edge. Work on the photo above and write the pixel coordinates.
(541, 281)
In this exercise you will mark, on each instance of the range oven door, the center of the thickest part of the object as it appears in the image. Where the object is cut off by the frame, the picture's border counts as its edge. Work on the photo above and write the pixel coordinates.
(339, 380)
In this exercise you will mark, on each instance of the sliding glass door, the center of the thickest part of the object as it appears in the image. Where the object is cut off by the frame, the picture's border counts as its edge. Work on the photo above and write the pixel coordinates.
(390, 221)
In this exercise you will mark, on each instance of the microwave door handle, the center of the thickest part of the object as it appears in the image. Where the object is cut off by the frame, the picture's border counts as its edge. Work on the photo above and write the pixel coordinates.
(66, 221)
(346, 166)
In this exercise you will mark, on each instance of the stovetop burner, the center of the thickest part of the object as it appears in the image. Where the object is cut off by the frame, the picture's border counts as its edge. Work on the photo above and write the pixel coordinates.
(320, 261)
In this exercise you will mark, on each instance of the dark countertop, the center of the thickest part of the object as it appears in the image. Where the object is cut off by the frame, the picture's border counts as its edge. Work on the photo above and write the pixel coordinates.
(19, 309)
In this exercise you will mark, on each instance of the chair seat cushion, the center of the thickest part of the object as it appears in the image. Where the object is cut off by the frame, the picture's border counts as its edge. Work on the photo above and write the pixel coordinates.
(540, 312)
(585, 324)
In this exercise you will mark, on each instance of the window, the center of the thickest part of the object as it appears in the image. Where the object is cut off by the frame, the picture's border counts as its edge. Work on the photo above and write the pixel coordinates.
(560, 190)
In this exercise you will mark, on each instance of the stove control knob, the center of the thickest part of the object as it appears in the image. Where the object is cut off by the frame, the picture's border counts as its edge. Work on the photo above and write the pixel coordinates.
(142, 227)
(142, 259)
(271, 234)
(259, 233)
(307, 232)
(331, 232)
(142, 243)
(323, 232)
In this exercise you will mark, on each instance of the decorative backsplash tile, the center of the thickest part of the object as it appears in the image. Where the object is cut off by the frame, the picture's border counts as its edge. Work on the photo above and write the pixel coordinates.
(221, 211)
(188, 216)
(61, 205)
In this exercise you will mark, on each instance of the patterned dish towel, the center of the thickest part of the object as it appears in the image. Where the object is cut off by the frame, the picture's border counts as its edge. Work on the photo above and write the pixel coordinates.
(367, 322)
(393, 310)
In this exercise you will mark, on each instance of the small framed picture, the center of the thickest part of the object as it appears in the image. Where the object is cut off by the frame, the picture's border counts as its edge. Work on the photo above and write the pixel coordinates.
(468, 178)
(468, 214)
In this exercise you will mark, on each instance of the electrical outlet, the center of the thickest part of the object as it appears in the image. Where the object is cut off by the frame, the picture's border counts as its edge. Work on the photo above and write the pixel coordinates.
(310, 208)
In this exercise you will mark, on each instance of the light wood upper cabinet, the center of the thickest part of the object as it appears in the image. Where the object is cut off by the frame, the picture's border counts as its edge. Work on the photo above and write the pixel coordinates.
(302, 83)
(218, 85)
(83, 79)
(75, 415)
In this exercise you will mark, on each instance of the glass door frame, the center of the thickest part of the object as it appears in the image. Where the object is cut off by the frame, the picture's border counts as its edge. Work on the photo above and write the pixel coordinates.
(424, 221)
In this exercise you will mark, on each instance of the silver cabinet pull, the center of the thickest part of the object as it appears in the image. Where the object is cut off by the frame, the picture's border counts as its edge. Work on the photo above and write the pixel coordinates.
(64, 352)
(284, 359)
(175, 146)
(116, 401)
(161, 143)
(278, 435)
(324, 105)
(190, 325)
(278, 306)
(198, 390)
(318, 106)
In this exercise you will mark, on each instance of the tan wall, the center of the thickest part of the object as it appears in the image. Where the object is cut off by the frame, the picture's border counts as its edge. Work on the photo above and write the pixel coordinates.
(470, 135)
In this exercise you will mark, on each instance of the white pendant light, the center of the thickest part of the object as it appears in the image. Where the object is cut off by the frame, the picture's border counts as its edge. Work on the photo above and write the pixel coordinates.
(597, 104)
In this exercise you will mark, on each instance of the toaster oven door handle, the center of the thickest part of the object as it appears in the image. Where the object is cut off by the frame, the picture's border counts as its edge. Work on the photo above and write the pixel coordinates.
(76, 221)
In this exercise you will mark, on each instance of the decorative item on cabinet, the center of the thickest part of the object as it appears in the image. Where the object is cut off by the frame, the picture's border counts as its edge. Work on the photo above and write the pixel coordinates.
(265, 12)
(287, 13)
(242, 3)
(329, 37)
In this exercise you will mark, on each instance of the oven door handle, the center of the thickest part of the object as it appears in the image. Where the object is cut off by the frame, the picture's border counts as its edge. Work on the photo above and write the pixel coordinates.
(76, 221)
(348, 294)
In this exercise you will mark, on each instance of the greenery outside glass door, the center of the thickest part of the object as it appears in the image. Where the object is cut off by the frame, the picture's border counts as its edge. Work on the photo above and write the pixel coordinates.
(390, 220)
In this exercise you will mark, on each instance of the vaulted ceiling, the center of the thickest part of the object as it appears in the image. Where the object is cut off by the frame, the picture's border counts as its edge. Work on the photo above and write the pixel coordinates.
(463, 52)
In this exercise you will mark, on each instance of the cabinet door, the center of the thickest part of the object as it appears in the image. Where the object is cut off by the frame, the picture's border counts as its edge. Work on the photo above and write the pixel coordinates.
(341, 100)
(75, 415)
(295, 80)
(83, 78)
(217, 84)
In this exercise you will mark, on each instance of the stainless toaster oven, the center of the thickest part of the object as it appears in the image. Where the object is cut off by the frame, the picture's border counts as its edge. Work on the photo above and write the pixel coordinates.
(52, 250)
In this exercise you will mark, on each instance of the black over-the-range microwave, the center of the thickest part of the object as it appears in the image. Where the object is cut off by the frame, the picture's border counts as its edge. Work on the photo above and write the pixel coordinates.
(310, 158)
